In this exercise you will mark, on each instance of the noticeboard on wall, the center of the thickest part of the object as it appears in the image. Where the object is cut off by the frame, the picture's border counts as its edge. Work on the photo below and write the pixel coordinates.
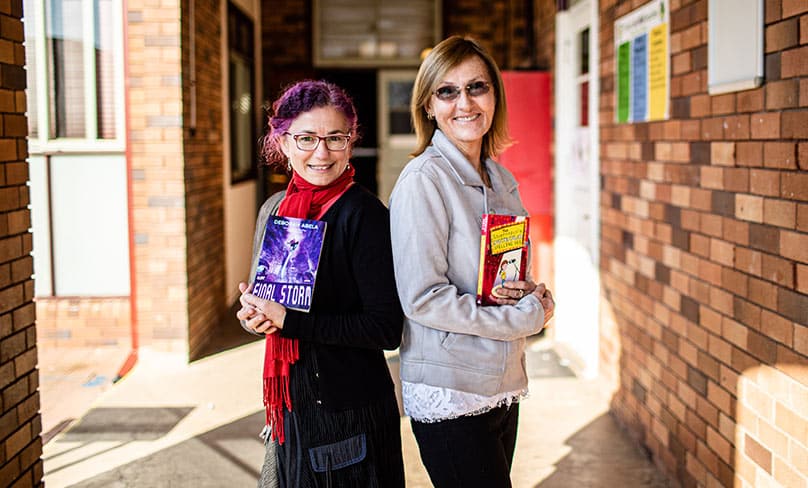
(642, 63)
(735, 45)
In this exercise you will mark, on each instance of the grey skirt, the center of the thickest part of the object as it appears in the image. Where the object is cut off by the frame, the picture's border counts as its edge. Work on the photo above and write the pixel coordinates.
(269, 470)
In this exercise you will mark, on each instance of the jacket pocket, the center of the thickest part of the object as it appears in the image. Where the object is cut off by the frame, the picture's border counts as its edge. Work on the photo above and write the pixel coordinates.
(338, 455)
(475, 353)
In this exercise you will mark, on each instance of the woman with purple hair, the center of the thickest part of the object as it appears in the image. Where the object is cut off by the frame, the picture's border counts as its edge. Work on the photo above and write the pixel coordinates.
(332, 415)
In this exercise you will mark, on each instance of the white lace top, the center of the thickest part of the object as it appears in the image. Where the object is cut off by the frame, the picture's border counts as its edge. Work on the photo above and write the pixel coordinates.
(426, 403)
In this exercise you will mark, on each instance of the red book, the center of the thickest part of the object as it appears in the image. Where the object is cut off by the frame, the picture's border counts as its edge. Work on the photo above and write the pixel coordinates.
(503, 254)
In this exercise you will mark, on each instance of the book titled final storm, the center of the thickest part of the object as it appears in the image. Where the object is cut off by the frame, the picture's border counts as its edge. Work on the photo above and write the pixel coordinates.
(288, 261)
(503, 254)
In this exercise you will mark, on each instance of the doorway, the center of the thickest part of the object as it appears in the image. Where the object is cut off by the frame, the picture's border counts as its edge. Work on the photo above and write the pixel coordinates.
(395, 131)
(360, 84)
(577, 191)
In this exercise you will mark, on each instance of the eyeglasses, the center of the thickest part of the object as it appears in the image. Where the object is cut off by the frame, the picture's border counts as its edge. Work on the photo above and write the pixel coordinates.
(309, 142)
(449, 93)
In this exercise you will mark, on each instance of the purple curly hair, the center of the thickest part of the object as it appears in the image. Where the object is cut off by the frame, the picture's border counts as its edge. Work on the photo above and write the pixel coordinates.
(299, 98)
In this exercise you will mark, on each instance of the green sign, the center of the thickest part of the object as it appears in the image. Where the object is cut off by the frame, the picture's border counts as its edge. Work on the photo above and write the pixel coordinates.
(623, 74)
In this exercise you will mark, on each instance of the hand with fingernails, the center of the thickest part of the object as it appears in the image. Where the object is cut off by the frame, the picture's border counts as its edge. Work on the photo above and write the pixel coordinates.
(259, 315)
(517, 290)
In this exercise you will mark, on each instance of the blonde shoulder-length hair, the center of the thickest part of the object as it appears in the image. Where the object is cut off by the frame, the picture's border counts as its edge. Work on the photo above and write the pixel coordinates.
(444, 57)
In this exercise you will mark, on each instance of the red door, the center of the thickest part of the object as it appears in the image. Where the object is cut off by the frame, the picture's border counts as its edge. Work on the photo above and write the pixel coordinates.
(528, 96)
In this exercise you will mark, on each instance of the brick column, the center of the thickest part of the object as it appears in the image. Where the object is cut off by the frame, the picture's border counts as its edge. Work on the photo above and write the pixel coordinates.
(158, 173)
(20, 423)
(203, 149)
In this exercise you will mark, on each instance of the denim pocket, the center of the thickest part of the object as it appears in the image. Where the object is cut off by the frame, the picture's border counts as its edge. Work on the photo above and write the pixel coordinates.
(339, 454)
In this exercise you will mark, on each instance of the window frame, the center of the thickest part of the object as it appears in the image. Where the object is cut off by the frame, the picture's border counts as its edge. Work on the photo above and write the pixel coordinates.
(43, 143)
(250, 59)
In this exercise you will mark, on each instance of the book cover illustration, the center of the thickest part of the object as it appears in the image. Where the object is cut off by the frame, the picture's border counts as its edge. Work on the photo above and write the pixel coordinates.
(288, 261)
(503, 254)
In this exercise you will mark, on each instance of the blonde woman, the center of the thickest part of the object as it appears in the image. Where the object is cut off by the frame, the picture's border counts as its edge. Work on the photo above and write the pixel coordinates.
(462, 365)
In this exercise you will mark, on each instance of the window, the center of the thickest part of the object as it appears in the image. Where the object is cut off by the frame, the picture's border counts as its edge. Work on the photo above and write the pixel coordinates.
(243, 137)
(77, 163)
(74, 71)
(374, 32)
(399, 93)
(583, 76)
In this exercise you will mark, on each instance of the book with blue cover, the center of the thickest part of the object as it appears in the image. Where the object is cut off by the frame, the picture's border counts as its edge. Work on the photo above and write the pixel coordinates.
(288, 261)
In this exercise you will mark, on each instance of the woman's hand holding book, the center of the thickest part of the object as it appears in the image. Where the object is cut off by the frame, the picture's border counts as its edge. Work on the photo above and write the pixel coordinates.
(261, 316)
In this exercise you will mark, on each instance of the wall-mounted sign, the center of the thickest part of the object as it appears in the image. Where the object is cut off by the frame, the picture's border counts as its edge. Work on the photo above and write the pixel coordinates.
(734, 26)
(642, 56)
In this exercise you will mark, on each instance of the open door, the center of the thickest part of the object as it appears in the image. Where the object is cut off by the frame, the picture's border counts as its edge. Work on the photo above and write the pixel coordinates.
(577, 187)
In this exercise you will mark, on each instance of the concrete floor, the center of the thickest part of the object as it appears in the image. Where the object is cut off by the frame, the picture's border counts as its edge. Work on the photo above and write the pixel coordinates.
(71, 379)
(170, 424)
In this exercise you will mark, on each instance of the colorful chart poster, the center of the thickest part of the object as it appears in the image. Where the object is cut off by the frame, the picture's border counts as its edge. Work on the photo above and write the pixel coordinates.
(643, 64)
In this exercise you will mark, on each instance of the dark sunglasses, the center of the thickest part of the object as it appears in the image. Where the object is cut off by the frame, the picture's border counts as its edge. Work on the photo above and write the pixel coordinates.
(450, 92)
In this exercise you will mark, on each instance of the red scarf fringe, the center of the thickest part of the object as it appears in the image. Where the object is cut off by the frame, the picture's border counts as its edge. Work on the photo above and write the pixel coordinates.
(303, 200)
(280, 353)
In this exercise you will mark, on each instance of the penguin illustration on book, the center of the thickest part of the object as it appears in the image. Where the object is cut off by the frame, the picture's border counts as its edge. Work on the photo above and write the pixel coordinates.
(508, 271)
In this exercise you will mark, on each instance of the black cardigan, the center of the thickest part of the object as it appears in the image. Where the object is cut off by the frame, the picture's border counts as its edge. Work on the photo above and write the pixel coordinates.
(355, 311)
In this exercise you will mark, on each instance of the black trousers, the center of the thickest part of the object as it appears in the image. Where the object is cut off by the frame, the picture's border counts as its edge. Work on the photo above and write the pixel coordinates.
(472, 451)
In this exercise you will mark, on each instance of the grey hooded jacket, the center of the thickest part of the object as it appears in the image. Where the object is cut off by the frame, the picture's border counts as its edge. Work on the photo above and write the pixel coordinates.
(449, 341)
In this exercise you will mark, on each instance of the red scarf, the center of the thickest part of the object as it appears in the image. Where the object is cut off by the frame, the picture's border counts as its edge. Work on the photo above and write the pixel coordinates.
(305, 201)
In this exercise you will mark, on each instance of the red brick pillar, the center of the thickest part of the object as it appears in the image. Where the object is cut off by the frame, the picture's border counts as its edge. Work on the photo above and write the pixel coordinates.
(20, 423)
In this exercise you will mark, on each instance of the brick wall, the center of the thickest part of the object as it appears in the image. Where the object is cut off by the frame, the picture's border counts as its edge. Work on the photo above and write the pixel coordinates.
(544, 33)
(286, 50)
(158, 172)
(203, 175)
(500, 26)
(83, 321)
(704, 259)
(20, 423)
(177, 186)
(286, 43)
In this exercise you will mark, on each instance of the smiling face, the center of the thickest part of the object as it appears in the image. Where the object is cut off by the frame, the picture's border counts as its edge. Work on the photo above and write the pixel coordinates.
(320, 166)
(466, 119)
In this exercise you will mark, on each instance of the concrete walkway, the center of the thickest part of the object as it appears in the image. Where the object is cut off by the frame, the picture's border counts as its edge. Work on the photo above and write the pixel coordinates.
(169, 424)
(71, 379)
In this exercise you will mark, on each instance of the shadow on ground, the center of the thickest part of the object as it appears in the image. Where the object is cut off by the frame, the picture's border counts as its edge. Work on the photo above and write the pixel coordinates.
(230, 455)
(226, 335)
(566, 437)
(602, 457)
(123, 424)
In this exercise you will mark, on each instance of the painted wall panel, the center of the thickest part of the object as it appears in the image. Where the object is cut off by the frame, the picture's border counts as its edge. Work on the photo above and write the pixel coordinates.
(90, 226)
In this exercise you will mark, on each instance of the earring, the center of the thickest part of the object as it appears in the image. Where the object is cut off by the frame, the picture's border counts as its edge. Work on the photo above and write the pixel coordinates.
(429, 116)
(289, 165)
